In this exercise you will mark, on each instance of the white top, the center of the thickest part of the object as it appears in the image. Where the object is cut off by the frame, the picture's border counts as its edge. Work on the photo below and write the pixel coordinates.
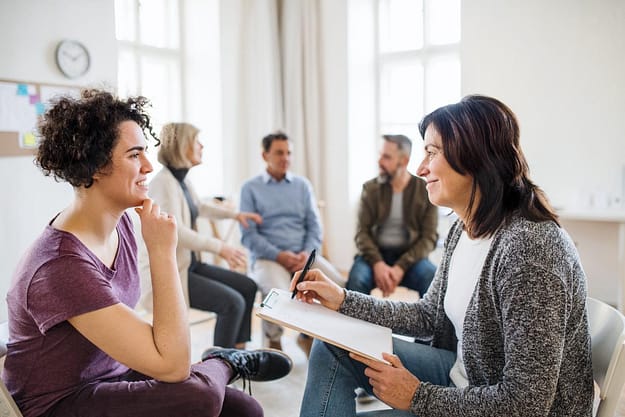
(464, 271)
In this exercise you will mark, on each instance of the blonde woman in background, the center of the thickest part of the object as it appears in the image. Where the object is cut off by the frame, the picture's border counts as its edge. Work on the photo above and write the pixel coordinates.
(207, 287)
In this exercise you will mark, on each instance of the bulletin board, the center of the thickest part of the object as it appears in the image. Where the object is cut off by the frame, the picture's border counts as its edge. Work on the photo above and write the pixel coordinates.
(21, 105)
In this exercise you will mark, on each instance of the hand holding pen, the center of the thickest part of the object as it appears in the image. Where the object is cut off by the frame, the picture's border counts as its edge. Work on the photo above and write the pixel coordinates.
(314, 285)
(309, 262)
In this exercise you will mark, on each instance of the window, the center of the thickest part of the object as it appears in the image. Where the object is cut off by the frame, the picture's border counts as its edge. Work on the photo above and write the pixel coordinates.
(169, 52)
(150, 58)
(418, 63)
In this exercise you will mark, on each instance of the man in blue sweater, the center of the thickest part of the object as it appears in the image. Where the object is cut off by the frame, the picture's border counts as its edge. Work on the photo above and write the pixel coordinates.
(290, 230)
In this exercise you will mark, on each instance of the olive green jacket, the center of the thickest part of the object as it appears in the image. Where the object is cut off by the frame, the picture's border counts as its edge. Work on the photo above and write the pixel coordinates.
(419, 215)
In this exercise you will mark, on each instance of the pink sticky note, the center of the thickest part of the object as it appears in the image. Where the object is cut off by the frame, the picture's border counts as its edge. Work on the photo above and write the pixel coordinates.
(34, 98)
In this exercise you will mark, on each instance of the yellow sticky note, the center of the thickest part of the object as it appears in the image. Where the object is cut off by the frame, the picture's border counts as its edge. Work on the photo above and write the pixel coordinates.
(29, 140)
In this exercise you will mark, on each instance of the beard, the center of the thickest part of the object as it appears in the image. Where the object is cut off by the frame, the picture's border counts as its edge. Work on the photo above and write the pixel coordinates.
(385, 175)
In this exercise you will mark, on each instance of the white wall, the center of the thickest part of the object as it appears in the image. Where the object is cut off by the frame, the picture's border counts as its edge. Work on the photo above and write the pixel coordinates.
(560, 65)
(30, 31)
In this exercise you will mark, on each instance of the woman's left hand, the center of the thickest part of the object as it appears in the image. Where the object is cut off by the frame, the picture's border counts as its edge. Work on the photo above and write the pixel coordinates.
(244, 217)
(234, 257)
(393, 383)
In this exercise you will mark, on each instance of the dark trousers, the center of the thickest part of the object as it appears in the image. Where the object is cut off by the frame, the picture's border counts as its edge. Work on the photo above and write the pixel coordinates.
(229, 294)
(204, 394)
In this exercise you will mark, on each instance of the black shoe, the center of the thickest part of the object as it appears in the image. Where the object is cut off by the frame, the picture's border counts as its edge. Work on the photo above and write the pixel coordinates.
(253, 365)
(363, 397)
(305, 343)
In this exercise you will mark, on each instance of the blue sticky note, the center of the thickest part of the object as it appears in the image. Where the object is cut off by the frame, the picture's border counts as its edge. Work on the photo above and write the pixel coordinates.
(40, 108)
(22, 90)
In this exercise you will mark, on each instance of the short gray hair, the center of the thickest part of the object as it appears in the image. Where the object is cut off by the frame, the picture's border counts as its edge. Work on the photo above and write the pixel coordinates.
(403, 143)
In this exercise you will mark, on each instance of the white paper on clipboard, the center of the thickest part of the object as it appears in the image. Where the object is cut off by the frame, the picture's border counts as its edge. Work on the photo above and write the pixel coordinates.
(355, 335)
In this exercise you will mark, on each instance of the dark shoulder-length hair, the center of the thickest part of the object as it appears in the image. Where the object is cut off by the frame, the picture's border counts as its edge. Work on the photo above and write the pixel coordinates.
(77, 135)
(480, 138)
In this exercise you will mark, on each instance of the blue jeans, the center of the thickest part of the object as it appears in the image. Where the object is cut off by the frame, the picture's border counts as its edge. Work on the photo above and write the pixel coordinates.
(333, 376)
(418, 277)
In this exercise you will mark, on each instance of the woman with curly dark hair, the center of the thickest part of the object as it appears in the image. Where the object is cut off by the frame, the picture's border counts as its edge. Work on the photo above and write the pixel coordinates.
(76, 347)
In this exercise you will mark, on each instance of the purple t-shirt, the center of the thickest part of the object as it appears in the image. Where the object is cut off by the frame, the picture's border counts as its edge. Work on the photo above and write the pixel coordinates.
(57, 279)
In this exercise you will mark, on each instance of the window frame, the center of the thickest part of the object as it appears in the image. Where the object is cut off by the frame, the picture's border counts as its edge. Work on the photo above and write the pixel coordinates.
(425, 55)
(138, 49)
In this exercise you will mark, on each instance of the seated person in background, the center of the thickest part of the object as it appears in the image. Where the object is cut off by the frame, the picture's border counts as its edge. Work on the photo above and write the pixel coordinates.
(396, 226)
(290, 230)
(206, 287)
(506, 310)
(76, 346)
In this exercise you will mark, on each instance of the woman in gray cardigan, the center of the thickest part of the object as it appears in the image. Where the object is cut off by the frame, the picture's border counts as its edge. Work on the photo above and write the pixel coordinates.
(506, 311)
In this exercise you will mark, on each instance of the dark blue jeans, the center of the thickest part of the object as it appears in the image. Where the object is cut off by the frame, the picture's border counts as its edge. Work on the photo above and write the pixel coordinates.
(418, 277)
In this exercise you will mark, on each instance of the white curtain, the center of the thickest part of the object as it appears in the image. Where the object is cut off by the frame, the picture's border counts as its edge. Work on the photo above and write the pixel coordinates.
(271, 75)
(251, 84)
(302, 87)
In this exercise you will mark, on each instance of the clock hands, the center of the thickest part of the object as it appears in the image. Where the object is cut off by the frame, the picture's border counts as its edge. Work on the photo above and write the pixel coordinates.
(72, 56)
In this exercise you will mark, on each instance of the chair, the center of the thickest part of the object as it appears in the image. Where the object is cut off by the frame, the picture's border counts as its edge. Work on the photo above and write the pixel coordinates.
(607, 332)
(8, 408)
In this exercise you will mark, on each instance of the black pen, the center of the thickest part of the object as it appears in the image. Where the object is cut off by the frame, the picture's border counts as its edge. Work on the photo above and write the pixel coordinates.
(309, 263)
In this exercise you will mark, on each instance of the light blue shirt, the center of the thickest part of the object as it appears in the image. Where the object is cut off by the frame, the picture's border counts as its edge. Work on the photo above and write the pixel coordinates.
(290, 216)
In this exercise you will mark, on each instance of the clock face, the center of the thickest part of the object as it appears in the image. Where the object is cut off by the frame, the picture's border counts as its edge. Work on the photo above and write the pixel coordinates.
(72, 58)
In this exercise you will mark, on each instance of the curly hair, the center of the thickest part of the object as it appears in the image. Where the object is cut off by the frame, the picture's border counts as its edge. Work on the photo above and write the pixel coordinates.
(77, 136)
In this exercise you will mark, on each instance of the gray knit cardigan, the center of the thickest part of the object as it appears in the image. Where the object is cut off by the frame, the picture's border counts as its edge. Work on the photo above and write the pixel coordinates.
(526, 343)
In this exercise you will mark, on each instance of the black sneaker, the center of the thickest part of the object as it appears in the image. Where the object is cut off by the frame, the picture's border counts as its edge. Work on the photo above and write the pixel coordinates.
(363, 397)
(253, 365)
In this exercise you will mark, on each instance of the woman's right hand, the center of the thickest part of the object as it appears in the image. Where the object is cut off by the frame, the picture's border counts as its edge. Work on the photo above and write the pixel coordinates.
(317, 286)
(233, 256)
(243, 218)
(157, 228)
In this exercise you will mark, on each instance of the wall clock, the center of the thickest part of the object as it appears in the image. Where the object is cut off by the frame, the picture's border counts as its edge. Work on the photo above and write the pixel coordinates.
(72, 58)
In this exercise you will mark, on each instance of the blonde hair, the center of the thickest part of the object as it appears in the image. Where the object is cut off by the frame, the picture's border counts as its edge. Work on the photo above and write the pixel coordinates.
(175, 141)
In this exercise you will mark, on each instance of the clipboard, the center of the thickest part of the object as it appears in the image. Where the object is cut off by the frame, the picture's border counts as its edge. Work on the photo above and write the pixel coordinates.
(355, 335)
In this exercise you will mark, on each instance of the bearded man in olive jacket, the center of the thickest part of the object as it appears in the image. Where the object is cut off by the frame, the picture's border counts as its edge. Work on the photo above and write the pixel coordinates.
(397, 226)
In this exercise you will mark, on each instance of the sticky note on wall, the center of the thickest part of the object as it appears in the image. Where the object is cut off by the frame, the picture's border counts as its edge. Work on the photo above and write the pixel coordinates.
(29, 140)
(22, 90)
